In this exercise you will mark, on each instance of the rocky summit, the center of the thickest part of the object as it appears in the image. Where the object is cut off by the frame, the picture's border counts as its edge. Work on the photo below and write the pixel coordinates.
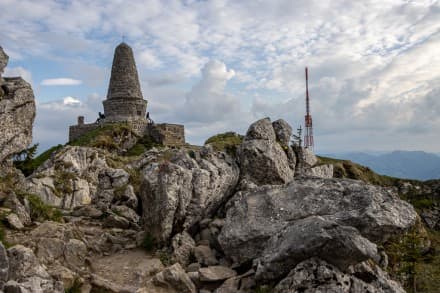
(265, 217)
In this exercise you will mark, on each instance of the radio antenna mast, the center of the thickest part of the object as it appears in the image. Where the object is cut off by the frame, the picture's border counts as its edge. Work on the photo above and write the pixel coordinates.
(308, 135)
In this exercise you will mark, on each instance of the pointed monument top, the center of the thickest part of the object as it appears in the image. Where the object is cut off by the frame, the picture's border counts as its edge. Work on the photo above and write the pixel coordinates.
(124, 80)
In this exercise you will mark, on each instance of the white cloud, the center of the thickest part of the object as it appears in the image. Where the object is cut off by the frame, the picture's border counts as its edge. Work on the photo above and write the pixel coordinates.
(53, 119)
(19, 71)
(207, 101)
(367, 59)
(60, 82)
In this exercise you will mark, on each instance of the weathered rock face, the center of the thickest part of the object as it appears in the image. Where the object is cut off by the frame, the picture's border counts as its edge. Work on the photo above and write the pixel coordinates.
(4, 266)
(321, 171)
(172, 279)
(27, 275)
(176, 194)
(3, 61)
(79, 176)
(315, 275)
(262, 159)
(17, 113)
(283, 131)
(270, 225)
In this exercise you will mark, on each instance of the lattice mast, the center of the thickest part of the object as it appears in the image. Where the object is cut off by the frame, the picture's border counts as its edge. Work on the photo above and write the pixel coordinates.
(308, 134)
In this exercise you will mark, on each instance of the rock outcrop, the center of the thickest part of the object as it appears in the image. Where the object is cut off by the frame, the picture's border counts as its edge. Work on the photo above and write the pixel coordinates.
(177, 193)
(76, 177)
(262, 158)
(278, 227)
(17, 113)
(215, 222)
(4, 265)
(26, 274)
(315, 275)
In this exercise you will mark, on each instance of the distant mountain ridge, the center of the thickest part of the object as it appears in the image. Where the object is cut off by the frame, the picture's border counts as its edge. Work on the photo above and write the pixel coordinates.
(402, 164)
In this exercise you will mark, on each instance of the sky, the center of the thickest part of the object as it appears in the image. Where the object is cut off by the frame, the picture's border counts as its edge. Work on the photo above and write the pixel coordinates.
(216, 66)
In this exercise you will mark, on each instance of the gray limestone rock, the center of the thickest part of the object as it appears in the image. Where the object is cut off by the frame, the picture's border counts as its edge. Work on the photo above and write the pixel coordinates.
(127, 213)
(74, 253)
(205, 256)
(262, 158)
(216, 273)
(14, 221)
(17, 113)
(18, 208)
(115, 221)
(128, 198)
(283, 131)
(4, 58)
(314, 236)
(182, 245)
(261, 129)
(174, 278)
(79, 176)
(264, 162)
(321, 171)
(26, 274)
(307, 157)
(87, 211)
(4, 265)
(177, 194)
(316, 275)
(259, 220)
(24, 264)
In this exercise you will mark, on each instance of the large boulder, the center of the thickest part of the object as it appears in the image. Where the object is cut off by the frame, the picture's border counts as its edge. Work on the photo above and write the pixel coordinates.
(321, 171)
(177, 193)
(17, 113)
(26, 274)
(171, 279)
(78, 176)
(262, 159)
(4, 58)
(313, 237)
(261, 129)
(262, 224)
(4, 265)
(283, 131)
(316, 275)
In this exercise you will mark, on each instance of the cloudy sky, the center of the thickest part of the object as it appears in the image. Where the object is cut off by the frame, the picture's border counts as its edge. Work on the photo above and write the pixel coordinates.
(214, 66)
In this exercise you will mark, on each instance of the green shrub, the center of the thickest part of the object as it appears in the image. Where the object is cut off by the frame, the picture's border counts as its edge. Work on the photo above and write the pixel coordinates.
(348, 169)
(165, 258)
(108, 136)
(3, 235)
(75, 288)
(137, 150)
(228, 142)
(39, 211)
(26, 162)
(149, 242)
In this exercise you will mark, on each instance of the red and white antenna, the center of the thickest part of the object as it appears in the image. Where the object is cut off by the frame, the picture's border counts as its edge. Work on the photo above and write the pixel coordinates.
(308, 135)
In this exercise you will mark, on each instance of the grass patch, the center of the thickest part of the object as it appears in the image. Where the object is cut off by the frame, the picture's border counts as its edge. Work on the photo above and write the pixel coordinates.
(40, 211)
(410, 262)
(348, 169)
(144, 144)
(165, 258)
(108, 136)
(75, 288)
(227, 142)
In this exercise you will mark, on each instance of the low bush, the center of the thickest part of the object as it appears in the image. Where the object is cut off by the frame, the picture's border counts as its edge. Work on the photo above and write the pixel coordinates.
(227, 142)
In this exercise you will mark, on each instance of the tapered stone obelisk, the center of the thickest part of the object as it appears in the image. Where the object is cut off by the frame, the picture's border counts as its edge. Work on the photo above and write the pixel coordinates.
(124, 97)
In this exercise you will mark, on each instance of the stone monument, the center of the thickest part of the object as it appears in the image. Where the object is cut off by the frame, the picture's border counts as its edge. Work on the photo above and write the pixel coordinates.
(125, 104)
(124, 97)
